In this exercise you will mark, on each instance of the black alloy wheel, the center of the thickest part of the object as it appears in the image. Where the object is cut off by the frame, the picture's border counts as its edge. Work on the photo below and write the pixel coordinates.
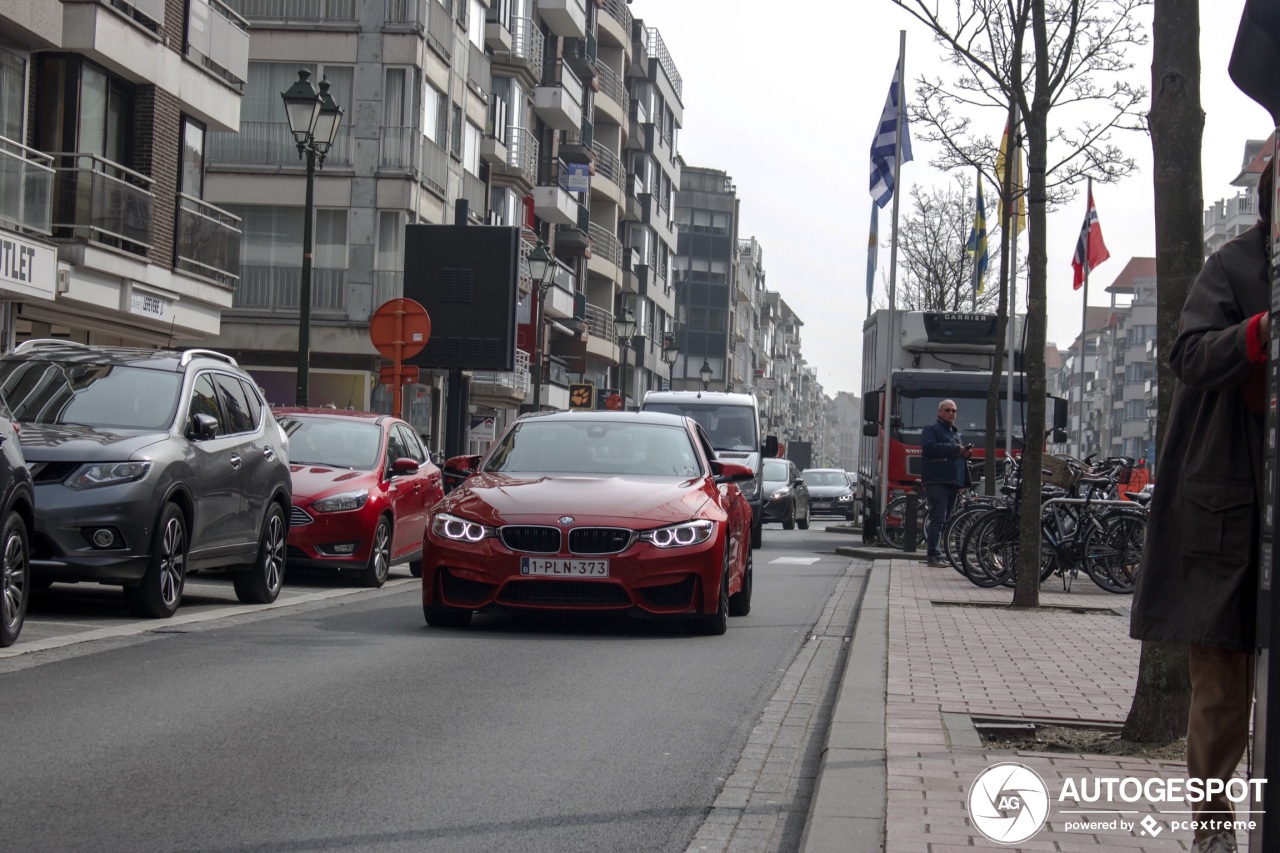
(262, 583)
(15, 578)
(159, 592)
(379, 566)
(740, 601)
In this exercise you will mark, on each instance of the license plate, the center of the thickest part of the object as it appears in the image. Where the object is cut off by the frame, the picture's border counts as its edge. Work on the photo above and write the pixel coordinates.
(556, 568)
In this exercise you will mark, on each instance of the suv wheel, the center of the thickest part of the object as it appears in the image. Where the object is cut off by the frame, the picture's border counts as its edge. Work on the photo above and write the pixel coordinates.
(15, 579)
(160, 592)
(262, 582)
(375, 573)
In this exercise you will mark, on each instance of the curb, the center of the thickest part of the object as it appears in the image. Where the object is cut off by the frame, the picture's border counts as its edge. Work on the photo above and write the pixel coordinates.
(847, 812)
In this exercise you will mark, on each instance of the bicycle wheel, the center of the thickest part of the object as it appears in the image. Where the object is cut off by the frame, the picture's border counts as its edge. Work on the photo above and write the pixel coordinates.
(990, 552)
(1113, 550)
(956, 529)
(893, 522)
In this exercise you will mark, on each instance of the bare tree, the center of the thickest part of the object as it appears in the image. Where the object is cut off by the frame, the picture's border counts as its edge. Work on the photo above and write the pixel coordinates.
(1162, 699)
(1075, 45)
(937, 269)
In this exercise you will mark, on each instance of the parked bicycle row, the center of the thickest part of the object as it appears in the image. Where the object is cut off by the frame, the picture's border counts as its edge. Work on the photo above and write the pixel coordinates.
(1090, 522)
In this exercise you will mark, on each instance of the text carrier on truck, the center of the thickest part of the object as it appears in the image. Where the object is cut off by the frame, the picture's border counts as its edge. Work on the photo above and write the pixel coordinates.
(934, 356)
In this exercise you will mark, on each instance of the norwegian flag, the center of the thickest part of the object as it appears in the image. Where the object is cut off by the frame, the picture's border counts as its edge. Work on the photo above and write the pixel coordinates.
(1090, 250)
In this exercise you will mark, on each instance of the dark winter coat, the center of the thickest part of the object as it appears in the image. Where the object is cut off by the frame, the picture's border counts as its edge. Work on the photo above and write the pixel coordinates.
(1199, 574)
(940, 452)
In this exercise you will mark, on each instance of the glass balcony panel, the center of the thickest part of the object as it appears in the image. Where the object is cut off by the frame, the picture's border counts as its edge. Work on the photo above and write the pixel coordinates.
(479, 73)
(271, 143)
(208, 241)
(300, 11)
(413, 12)
(433, 169)
(102, 201)
(474, 191)
(440, 30)
(26, 187)
(218, 39)
(395, 147)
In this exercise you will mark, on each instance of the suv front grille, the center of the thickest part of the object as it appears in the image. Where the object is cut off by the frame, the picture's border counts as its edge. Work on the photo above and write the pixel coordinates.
(598, 540)
(532, 540)
(51, 472)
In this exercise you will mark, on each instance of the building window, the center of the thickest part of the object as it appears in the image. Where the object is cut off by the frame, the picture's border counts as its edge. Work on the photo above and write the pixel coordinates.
(435, 115)
(83, 109)
(455, 137)
(13, 94)
(192, 156)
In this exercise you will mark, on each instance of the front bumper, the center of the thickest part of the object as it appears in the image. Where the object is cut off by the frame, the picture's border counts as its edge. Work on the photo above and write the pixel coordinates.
(317, 539)
(61, 547)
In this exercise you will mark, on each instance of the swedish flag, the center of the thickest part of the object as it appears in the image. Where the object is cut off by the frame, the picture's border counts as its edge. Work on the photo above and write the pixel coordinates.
(978, 243)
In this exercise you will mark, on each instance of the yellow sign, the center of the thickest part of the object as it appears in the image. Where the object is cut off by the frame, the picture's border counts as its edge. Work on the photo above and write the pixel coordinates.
(582, 396)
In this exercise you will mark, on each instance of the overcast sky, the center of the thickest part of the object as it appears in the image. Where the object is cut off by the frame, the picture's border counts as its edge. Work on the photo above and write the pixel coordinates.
(786, 100)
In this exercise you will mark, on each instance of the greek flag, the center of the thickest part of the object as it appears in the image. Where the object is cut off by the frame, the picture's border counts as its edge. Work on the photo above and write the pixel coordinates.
(884, 146)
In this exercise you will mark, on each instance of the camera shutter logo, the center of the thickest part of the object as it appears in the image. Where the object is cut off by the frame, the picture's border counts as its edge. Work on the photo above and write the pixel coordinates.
(1008, 803)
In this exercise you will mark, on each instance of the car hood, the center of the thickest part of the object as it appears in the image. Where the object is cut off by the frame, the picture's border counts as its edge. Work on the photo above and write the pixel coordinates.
(54, 443)
(829, 491)
(595, 500)
(311, 482)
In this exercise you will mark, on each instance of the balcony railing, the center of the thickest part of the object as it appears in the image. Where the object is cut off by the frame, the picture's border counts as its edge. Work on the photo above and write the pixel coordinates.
(527, 43)
(605, 244)
(608, 166)
(412, 13)
(440, 29)
(474, 191)
(479, 71)
(296, 11)
(208, 241)
(218, 39)
(433, 166)
(599, 323)
(395, 147)
(611, 84)
(270, 143)
(26, 187)
(275, 289)
(516, 382)
(102, 201)
(522, 154)
(657, 49)
(618, 10)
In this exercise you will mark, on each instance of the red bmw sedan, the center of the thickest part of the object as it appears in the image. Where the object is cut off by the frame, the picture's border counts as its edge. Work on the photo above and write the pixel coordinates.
(362, 488)
(604, 511)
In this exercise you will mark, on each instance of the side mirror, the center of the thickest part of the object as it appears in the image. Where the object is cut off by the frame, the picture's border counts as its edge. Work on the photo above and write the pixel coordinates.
(870, 429)
(1059, 415)
(871, 408)
(403, 467)
(1059, 436)
(769, 450)
(203, 427)
(461, 466)
(731, 472)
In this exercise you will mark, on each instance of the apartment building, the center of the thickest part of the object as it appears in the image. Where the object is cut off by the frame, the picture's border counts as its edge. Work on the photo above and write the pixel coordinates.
(107, 235)
(706, 273)
(1230, 217)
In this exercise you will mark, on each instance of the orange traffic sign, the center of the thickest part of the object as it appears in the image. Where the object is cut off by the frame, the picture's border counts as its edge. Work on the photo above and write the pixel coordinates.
(400, 329)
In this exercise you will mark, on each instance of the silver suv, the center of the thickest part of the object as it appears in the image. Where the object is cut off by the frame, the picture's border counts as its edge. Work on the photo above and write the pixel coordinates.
(149, 464)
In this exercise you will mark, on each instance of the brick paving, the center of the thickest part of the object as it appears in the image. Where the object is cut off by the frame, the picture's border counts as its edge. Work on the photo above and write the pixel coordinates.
(949, 654)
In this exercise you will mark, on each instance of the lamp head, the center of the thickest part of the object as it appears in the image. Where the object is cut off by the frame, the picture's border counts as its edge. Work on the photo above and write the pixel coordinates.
(625, 325)
(541, 264)
(706, 373)
(325, 130)
(301, 106)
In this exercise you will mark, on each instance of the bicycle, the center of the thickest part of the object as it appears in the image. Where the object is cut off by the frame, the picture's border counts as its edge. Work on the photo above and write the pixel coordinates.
(893, 520)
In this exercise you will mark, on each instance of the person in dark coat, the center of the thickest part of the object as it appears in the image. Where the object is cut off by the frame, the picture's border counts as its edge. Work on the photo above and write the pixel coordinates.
(944, 472)
(1199, 573)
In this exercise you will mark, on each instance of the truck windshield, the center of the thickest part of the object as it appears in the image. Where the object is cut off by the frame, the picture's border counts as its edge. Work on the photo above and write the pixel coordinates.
(919, 408)
(728, 427)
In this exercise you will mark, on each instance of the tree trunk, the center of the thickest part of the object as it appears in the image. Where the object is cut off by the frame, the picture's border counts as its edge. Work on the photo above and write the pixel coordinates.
(1163, 692)
(1027, 592)
(1004, 308)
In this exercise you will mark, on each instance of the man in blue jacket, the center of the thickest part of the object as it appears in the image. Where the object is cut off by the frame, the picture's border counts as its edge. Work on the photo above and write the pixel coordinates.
(944, 472)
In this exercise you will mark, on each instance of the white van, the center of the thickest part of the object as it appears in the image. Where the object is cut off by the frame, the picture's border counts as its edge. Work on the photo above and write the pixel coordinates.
(732, 422)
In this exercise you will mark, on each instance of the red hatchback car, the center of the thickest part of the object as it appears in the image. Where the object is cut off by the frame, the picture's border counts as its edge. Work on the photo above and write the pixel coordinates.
(363, 486)
(621, 511)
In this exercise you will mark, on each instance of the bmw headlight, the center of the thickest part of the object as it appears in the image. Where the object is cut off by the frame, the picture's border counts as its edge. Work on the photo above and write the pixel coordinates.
(680, 535)
(107, 474)
(449, 526)
(749, 488)
(342, 503)
(845, 498)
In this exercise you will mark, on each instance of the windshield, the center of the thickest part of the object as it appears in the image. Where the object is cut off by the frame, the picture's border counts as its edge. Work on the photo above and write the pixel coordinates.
(595, 447)
(775, 470)
(337, 442)
(824, 478)
(919, 407)
(95, 395)
(728, 427)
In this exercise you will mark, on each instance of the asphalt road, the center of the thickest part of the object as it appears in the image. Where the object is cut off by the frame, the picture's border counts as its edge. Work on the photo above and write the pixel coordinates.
(344, 723)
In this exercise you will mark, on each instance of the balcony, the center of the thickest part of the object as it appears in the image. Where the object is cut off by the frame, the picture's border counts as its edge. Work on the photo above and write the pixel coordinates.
(615, 25)
(479, 71)
(26, 188)
(440, 30)
(606, 252)
(565, 18)
(573, 237)
(581, 55)
(497, 36)
(302, 12)
(555, 205)
(476, 194)
(274, 290)
(599, 324)
(615, 101)
(525, 55)
(218, 40)
(493, 151)
(269, 143)
(522, 158)
(560, 105)
(207, 241)
(510, 387)
(608, 166)
(407, 14)
(433, 167)
(102, 202)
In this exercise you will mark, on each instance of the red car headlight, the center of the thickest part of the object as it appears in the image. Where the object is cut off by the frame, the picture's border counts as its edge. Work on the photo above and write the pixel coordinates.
(342, 503)
(449, 526)
(680, 535)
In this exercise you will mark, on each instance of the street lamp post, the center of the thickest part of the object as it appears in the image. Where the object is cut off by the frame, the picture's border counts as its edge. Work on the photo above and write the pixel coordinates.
(625, 325)
(541, 265)
(313, 120)
(1153, 411)
(670, 352)
(706, 373)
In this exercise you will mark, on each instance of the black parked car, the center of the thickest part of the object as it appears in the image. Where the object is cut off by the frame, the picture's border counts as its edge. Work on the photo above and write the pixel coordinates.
(831, 492)
(16, 499)
(786, 497)
(149, 464)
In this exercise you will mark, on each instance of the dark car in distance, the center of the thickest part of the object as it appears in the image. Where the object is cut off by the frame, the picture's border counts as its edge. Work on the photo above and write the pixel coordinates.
(363, 486)
(786, 497)
(149, 464)
(830, 491)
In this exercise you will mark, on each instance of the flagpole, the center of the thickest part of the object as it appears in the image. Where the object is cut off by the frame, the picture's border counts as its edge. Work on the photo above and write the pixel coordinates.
(973, 290)
(1084, 318)
(890, 341)
(1013, 151)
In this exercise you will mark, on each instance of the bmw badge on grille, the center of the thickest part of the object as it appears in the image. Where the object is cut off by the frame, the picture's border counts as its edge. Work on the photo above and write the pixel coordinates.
(566, 520)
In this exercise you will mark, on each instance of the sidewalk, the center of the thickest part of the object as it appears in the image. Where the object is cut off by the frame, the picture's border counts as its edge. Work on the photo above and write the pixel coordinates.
(930, 653)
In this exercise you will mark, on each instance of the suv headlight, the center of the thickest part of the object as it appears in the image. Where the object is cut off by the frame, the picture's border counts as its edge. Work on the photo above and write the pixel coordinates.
(679, 535)
(449, 526)
(342, 503)
(100, 474)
